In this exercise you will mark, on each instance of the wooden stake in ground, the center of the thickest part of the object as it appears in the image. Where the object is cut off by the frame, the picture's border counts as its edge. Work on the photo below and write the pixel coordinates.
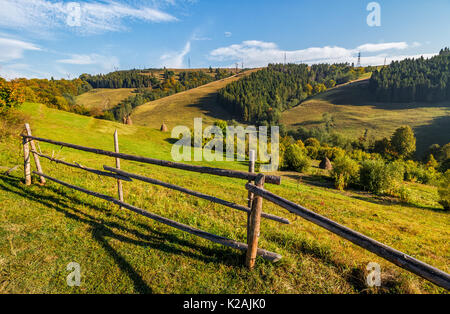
(255, 221)
(26, 161)
(35, 156)
(251, 168)
(119, 183)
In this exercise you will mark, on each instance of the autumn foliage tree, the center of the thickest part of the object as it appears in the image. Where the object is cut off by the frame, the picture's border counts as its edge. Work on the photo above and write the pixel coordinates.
(10, 95)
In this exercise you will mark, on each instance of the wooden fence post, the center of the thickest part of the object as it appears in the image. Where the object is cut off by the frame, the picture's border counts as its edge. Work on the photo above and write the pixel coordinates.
(26, 161)
(251, 168)
(119, 182)
(35, 156)
(255, 221)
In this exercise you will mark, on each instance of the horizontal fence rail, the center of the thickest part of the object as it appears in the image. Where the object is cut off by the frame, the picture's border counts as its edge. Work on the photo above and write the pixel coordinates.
(193, 193)
(78, 166)
(407, 262)
(269, 256)
(200, 169)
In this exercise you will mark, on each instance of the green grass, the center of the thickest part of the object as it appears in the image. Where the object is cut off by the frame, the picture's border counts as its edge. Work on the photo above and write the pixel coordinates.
(182, 108)
(43, 228)
(355, 110)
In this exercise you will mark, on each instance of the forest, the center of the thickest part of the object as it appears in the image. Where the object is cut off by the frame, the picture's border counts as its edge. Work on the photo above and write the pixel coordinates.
(58, 94)
(261, 97)
(414, 80)
(120, 79)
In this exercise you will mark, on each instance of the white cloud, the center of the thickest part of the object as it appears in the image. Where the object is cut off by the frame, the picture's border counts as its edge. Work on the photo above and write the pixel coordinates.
(257, 53)
(12, 49)
(18, 70)
(176, 59)
(105, 62)
(382, 47)
(95, 16)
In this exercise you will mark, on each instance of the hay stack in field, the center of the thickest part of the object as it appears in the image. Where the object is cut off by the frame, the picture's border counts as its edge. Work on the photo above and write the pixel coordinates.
(129, 122)
(164, 128)
(326, 164)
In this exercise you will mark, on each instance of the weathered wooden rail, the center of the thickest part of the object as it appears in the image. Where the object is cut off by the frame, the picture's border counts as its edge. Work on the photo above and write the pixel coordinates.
(407, 262)
(256, 194)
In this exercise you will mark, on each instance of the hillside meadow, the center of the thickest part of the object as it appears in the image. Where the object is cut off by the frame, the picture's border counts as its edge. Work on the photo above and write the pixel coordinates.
(43, 228)
(354, 110)
(103, 98)
(182, 108)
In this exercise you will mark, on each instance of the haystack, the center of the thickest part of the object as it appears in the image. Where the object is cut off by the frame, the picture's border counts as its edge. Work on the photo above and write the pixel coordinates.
(326, 164)
(129, 122)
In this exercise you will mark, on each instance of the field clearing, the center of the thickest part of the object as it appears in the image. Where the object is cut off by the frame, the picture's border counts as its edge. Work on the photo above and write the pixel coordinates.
(104, 98)
(182, 108)
(354, 111)
(42, 229)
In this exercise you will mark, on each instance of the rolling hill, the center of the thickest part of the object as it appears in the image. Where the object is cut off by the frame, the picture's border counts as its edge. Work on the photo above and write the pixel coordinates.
(103, 98)
(43, 228)
(354, 110)
(182, 108)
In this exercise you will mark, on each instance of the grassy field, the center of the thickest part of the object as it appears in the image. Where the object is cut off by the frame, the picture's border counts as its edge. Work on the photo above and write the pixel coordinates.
(182, 108)
(103, 98)
(355, 110)
(43, 228)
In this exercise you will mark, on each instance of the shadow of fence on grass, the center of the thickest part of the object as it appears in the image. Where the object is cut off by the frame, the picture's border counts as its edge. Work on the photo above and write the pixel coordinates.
(101, 229)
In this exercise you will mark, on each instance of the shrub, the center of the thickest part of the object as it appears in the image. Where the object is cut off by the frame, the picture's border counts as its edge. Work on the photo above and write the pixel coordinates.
(345, 171)
(415, 172)
(296, 159)
(375, 176)
(312, 142)
(312, 151)
(444, 191)
(403, 141)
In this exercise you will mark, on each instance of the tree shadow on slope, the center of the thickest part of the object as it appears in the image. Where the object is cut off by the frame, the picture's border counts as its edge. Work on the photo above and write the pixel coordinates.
(101, 227)
(209, 106)
(437, 132)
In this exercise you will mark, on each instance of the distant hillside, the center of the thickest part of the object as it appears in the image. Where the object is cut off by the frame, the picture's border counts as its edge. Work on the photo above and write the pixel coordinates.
(103, 98)
(261, 97)
(183, 107)
(354, 110)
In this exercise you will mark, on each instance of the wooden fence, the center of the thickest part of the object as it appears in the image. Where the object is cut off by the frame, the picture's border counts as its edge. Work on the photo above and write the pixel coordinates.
(256, 193)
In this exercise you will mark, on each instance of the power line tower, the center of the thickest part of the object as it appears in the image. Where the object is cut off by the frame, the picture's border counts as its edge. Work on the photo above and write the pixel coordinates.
(359, 60)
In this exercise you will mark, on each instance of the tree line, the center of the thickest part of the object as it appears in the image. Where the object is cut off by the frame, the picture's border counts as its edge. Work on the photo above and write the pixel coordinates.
(59, 94)
(121, 79)
(411, 80)
(261, 97)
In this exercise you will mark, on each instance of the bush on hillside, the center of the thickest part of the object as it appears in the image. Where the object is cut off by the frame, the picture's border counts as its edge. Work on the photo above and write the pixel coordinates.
(345, 172)
(295, 158)
(377, 177)
(444, 191)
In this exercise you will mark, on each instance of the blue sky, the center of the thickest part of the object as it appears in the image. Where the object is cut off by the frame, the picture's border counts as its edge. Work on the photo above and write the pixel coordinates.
(44, 38)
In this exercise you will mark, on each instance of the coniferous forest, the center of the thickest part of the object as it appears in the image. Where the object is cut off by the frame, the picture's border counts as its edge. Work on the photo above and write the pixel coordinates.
(261, 97)
(414, 80)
